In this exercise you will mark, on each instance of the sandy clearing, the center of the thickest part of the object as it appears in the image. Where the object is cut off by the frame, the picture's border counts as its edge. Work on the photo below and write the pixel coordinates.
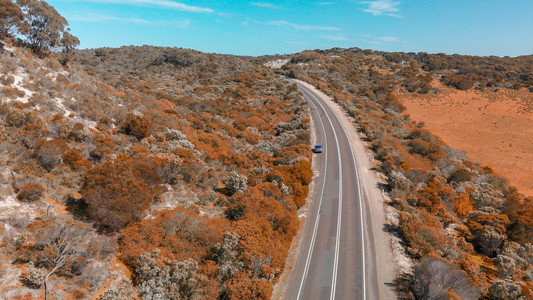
(276, 64)
(494, 128)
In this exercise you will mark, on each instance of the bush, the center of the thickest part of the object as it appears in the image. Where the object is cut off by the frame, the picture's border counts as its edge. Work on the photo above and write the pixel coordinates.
(460, 82)
(461, 175)
(117, 193)
(435, 279)
(505, 290)
(34, 277)
(235, 183)
(49, 153)
(137, 126)
(172, 280)
(30, 192)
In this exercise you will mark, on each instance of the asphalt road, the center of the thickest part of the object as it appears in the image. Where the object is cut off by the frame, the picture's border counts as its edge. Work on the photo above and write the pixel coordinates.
(332, 261)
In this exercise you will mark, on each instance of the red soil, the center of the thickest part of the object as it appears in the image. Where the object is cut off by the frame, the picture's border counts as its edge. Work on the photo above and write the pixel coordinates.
(494, 128)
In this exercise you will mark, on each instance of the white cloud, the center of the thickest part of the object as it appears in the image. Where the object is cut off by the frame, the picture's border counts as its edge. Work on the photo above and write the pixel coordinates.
(326, 3)
(302, 27)
(387, 39)
(335, 38)
(382, 8)
(162, 3)
(98, 18)
(264, 4)
(101, 18)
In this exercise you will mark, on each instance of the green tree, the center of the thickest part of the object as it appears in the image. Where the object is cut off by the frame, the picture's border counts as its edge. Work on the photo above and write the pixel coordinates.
(47, 28)
(69, 41)
(11, 17)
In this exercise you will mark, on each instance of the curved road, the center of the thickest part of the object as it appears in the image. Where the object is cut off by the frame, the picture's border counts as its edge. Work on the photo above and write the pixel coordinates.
(333, 260)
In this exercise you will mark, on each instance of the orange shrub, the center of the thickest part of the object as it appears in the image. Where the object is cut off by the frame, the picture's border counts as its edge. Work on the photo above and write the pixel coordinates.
(462, 204)
(298, 177)
(117, 193)
(49, 152)
(30, 192)
(137, 126)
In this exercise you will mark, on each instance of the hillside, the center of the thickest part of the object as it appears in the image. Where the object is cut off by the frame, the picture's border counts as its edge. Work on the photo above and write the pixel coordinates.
(450, 213)
(171, 162)
(168, 173)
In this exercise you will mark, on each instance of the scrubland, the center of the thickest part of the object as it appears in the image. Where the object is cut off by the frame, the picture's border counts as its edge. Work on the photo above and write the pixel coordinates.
(466, 231)
(157, 173)
(146, 172)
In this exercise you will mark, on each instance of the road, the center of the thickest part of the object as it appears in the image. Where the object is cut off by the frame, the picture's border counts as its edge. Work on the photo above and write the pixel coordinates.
(333, 258)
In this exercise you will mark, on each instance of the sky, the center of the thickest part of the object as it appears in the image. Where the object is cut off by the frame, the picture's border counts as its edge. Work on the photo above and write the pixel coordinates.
(472, 27)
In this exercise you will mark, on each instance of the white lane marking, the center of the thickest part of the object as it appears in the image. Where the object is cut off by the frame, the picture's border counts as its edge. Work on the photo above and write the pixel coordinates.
(339, 208)
(360, 205)
(315, 229)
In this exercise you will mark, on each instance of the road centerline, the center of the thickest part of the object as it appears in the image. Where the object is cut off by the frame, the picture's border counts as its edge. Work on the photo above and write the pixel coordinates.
(339, 207)
(317, 219)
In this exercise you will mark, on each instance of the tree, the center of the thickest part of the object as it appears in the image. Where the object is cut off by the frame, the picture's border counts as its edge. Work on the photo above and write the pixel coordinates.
(47, 28)
(10, 17)
(61, 244)
(69, 41)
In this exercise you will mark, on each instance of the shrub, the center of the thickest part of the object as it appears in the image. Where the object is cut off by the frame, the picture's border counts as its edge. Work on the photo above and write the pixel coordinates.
(49, 153)
(137, 126)
(235, 183)
(170, 280)
(118, 192)
(460, 82)
(505, 290)
(34, 277)
(298, 177)
(461, 175)
(435, 279)
(30, 192)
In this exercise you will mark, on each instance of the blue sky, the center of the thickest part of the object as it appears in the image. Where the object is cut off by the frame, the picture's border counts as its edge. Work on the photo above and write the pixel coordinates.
(475, 27)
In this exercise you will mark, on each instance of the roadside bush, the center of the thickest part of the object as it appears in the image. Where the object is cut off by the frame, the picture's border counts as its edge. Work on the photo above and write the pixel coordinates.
(435, 279)
(171, 280)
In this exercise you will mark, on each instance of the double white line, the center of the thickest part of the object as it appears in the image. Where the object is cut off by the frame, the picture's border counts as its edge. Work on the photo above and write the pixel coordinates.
(339, 210)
